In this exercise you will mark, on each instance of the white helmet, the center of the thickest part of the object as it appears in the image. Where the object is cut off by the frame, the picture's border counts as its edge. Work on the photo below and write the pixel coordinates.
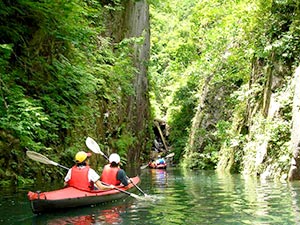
(114, 157)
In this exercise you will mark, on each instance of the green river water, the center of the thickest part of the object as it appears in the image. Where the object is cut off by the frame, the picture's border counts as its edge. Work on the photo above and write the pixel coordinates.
(176, 197)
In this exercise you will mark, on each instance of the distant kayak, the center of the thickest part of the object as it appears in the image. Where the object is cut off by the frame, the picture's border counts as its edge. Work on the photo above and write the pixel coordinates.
(71, 197)
(159, 166)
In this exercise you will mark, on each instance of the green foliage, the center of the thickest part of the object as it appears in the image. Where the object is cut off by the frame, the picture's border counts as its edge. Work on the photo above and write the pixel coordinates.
(124, 142)
(206, 161)
(54, 67)
(27, 121)
(183, 110)
(278, 37)
(233, 43)
(279, 139)
(172, 50)
(218, 53)
(53, 78)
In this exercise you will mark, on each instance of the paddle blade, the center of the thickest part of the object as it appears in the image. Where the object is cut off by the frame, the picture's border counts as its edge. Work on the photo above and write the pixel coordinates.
(170, 155)
(137, 196)
(147, 198)
(39, 158)
(143, 167)
(42, 159)
(93, 146)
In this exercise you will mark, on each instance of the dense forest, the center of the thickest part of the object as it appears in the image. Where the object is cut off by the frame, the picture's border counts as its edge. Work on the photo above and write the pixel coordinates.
(72, 69)
(221, 73)
(225, 72)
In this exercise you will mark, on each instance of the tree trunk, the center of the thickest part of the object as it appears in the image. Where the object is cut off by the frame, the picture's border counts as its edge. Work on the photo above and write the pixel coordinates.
(132, 21)
(137, 24)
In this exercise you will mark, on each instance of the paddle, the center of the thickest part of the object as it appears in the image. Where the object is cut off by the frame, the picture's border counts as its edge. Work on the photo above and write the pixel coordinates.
(94, 147)
(43, 159)
(170, 155)
(126, 192)
(144, 166)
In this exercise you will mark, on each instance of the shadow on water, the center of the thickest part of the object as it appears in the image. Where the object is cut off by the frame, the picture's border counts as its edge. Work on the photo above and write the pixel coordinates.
(175, 196)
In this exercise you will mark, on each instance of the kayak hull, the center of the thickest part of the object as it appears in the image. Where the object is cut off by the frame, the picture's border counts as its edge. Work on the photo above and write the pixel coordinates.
(161, 166)
(71, 197)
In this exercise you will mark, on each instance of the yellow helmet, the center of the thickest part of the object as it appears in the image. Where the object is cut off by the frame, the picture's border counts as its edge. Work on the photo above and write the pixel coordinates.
(81, 156)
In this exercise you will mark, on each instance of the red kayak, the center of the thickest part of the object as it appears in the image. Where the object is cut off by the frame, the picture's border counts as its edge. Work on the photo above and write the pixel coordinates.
(71, 197)
(159, 166)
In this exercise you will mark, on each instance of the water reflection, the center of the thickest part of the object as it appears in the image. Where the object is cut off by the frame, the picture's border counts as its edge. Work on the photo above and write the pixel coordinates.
(159, 177)
(295, 193)
(234, 199)
(99, 215)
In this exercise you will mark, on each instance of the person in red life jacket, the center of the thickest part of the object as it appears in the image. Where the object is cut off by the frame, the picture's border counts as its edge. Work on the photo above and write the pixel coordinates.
(83, 177)
(112, 173)
(152, 163)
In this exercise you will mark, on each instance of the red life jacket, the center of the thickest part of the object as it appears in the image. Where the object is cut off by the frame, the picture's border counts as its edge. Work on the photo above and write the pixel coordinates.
(79, 178)
(109, 175)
